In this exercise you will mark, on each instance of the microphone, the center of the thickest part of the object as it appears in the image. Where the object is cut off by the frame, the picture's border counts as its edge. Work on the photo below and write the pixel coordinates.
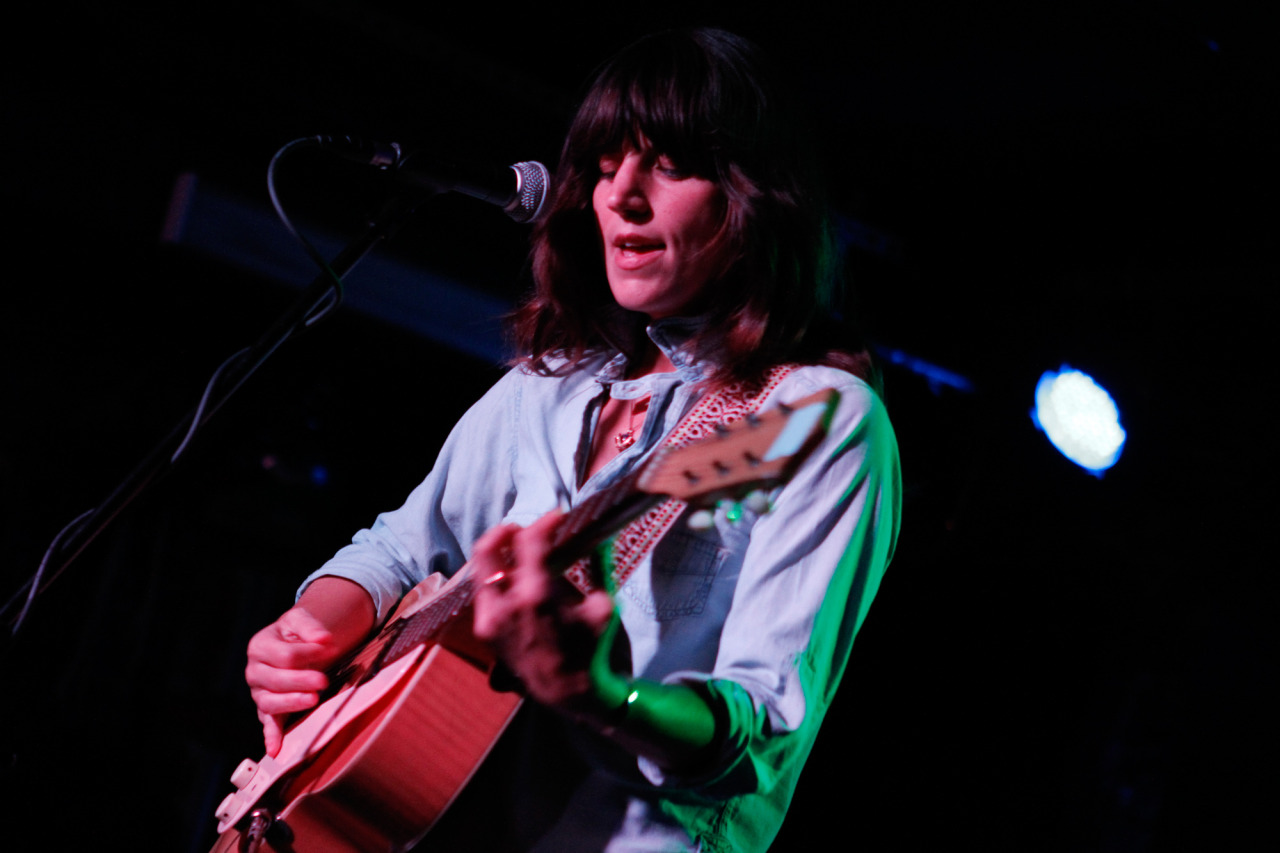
(520, 189)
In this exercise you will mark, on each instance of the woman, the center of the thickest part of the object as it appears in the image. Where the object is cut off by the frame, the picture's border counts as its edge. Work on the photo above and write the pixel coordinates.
(684, 264)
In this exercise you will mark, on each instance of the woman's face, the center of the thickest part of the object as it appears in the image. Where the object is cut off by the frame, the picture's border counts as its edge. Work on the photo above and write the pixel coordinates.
(658, 228)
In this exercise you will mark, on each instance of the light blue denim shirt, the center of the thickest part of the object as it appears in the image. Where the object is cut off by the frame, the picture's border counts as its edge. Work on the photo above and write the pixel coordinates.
(762, 608)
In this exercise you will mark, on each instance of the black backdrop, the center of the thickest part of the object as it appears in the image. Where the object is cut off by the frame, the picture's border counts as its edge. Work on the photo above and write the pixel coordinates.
(1057, 662)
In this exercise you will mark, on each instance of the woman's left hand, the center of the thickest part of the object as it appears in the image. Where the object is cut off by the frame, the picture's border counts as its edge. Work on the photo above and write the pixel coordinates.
(539, 625)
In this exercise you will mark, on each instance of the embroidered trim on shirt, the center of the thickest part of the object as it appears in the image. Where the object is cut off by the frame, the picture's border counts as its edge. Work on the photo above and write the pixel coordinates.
(721, 407)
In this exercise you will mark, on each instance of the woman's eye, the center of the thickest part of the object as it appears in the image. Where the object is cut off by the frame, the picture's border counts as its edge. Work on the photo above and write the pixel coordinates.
(607, 169)
(671, 170)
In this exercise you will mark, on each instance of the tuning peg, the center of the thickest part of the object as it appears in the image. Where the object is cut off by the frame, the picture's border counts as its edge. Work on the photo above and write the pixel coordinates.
(703, 519)
(757, 501)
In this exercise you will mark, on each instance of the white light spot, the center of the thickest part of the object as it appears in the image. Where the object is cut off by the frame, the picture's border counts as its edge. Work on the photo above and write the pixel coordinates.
(1080, 419)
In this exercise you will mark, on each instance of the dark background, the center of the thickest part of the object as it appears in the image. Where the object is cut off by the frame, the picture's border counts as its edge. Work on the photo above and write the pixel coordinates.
(1056, 662)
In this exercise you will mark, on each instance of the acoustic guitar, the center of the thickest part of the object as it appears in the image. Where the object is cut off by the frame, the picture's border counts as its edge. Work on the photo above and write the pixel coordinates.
(412, 714)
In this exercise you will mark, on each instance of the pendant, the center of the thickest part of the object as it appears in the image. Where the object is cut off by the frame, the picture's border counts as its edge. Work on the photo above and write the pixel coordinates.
(624, 439)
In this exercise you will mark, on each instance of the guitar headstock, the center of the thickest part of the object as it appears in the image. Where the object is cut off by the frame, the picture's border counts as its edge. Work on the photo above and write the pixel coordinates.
(757, 452)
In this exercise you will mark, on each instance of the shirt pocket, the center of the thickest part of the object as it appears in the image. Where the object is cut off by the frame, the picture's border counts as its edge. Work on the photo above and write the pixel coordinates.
(681, 573)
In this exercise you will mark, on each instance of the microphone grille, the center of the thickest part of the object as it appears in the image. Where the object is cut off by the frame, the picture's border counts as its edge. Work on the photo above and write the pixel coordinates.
(531, 194)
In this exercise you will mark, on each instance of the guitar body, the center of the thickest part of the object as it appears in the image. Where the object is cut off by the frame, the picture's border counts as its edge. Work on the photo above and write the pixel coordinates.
(376, 765)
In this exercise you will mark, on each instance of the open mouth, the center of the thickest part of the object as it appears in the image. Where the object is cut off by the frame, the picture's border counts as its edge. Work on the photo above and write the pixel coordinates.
(638, 246)
(634, 249)
(633, 255)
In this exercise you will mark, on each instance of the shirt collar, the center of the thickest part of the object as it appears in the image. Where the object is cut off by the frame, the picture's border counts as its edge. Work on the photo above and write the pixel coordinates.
(672, 335)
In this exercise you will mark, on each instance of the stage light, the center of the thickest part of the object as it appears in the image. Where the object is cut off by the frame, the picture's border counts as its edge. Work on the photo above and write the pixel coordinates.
(1080, 419)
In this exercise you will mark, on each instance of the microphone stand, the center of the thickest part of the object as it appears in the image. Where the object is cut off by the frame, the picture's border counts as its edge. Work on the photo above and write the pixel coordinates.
(320, 296)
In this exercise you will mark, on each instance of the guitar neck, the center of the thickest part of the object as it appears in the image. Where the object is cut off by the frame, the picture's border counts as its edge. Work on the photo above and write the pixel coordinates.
(597, 518)
(584, 526)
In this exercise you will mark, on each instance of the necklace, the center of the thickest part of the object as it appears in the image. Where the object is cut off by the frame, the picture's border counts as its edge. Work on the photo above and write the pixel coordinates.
(627, 437)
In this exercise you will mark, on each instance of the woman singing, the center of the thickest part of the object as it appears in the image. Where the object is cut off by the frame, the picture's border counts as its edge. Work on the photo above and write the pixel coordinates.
(684, 271)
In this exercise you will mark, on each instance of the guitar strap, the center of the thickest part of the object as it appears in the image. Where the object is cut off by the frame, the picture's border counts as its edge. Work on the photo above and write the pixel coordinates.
(721, 407)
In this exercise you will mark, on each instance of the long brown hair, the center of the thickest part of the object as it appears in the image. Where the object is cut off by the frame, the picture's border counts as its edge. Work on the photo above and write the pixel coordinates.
(709, 101)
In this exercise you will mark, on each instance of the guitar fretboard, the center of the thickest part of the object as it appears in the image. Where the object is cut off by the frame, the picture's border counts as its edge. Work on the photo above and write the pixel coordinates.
(428, 623)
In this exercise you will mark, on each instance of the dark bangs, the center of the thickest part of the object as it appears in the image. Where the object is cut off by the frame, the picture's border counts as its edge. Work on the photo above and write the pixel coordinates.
(674, 92)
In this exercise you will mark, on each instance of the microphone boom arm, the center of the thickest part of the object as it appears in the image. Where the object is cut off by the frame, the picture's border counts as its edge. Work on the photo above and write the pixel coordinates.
(314, 302)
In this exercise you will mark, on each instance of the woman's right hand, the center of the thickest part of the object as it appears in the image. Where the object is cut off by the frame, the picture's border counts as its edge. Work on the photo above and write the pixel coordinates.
(288, 658)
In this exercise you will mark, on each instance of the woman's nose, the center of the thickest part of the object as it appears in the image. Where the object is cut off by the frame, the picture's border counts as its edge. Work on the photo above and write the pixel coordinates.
(628, 196)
